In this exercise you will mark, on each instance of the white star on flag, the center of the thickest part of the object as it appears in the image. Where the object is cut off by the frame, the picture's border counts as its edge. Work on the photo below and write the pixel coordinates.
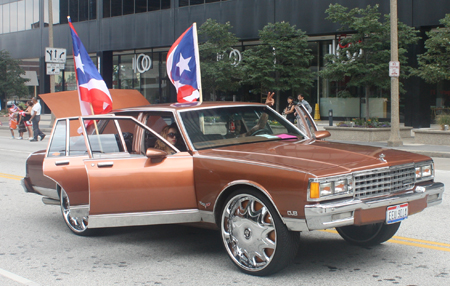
(79, 63)
(183, 64)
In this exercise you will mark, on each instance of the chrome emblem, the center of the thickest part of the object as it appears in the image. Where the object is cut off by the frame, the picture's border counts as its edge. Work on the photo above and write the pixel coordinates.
(381, 158)
(205, 205)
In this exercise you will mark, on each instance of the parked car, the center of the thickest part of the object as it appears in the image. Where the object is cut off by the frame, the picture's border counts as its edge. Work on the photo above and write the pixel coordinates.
(241, 168)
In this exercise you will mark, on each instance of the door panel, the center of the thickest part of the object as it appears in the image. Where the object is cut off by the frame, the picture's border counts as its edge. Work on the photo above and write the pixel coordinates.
(137, 184)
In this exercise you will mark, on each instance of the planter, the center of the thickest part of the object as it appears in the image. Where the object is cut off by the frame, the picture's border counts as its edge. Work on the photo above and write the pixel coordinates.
(432, 137)
(364, 134)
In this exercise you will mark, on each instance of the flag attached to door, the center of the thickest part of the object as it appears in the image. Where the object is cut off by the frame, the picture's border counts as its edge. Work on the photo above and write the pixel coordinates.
(183, 66)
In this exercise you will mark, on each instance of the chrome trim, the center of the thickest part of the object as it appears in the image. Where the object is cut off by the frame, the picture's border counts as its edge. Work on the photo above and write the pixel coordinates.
(105, 164)
(207, 216)
(49, 201)
(294, 224)
(60, 163)
(144, 218)
(47, 192)
(319, 216)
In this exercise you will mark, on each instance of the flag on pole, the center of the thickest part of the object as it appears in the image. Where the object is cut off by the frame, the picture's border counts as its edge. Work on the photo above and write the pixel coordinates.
(93, 93)
(183, 66)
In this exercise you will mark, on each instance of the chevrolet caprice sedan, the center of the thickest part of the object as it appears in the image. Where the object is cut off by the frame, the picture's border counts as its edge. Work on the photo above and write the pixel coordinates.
(242, 168)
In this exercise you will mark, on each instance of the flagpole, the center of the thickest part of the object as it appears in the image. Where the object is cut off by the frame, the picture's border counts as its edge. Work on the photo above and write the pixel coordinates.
(96, 129)
(197, 62)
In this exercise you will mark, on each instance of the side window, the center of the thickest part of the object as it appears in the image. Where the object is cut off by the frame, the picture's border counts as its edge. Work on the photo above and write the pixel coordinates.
(77, 145)
(58, 145)
(164, 124)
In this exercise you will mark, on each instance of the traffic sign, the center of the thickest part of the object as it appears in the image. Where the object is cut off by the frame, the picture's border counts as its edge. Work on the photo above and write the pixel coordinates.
(55, 55)
(52, 69)
(394, 68)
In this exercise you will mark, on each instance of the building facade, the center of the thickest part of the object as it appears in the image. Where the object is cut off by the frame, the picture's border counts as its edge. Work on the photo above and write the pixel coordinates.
(129, 40)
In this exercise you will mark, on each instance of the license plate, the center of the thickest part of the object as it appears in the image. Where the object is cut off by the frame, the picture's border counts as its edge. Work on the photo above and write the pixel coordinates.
(396, 213)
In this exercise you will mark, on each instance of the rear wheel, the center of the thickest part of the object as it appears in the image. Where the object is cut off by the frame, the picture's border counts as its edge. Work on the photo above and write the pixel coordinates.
(254, 236)
(368, 235)
(77, 224)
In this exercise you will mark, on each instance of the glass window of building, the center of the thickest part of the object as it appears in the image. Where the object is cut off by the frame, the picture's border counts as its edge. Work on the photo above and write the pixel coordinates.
(83, 10)
(140, 6)
(165, 4)
(196, 2)
(6, 18)
(106, 8)
(154, 5)
(116, 8)
(13, 17)
(183, 3)
(128, 7)
(73, 10)
(55, 12)
(92, 9)
(36, 14)
(1, 21)
(21, 15)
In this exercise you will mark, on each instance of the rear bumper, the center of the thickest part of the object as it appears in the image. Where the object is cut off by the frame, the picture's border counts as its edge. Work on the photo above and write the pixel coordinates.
(360, 212)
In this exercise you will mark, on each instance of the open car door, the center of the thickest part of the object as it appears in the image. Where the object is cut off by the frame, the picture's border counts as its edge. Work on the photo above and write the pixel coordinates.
(128, 183)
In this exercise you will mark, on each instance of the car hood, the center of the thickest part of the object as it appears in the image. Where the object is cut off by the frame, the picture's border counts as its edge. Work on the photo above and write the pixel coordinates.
(318, 158)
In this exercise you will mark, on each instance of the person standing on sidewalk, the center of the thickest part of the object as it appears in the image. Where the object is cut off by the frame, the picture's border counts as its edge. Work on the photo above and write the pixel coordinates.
(35, 118)
(302, 101)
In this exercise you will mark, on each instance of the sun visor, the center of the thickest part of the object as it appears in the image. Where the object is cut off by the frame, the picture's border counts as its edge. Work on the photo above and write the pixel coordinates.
(66, 103)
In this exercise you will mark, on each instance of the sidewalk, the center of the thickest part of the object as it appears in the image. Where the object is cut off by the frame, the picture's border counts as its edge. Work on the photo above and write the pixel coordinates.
(409, 145)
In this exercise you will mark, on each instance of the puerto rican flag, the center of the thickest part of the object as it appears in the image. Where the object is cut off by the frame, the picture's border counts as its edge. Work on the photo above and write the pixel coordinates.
(92, 90)
(183, 66)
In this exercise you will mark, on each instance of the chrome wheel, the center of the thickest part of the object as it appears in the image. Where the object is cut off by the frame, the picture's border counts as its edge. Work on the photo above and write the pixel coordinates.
(254, 236)
(76, 224)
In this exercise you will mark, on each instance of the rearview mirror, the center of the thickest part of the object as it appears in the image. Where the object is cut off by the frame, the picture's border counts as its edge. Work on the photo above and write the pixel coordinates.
(322, 134)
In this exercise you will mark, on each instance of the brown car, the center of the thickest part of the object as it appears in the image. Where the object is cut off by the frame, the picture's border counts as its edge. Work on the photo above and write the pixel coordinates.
(240, 167)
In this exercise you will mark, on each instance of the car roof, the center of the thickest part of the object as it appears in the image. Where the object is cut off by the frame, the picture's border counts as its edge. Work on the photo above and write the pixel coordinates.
(186, 106)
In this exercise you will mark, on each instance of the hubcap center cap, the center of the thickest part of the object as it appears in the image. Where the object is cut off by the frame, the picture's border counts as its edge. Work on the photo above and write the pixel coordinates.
(247, 233)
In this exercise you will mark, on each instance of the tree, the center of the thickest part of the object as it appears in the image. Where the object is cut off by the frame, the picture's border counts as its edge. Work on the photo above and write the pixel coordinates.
(281, 62)
(11, 83)
(434, 64)
(220, 70)
(363, 58)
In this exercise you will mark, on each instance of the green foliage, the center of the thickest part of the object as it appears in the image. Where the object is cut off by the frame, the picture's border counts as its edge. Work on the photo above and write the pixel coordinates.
(365, 61)
(280, 62)
(443, 119)
(219, 72)
(434, 64)
(365, 123)
(10, 81)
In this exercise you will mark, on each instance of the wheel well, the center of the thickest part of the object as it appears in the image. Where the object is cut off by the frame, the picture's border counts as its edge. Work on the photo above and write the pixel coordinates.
(226, 193)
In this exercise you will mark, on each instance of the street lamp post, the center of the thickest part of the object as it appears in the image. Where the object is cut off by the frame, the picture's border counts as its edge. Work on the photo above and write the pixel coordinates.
(394, 139)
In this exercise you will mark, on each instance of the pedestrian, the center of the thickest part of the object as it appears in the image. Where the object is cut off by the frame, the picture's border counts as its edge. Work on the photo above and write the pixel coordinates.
(35, 118)
(12, 119)
(302, 101)
(28, 123)
(21, 120)
(290, 109)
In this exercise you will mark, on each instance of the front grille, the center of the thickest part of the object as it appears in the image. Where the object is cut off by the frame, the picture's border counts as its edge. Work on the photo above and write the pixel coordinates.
(384, 181)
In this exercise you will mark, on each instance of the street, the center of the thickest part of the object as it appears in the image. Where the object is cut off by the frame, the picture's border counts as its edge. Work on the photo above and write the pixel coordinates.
(37, 248)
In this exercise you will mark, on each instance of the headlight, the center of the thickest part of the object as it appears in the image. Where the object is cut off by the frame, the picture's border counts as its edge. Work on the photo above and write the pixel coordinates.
(329, 188)
(424, 171)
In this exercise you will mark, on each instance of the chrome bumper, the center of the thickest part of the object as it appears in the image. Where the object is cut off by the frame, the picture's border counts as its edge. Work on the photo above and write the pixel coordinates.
(336, 214)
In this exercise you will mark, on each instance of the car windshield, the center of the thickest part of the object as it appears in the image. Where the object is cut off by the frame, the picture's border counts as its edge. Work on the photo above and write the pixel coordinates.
(225, 126)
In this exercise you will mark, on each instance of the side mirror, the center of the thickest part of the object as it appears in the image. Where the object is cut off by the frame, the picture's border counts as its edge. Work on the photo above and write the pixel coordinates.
(153, 153)
(322, 134)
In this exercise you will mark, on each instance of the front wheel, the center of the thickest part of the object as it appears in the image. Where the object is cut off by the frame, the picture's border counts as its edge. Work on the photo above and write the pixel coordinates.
(368, 235)
(254, 236)
(76, 224)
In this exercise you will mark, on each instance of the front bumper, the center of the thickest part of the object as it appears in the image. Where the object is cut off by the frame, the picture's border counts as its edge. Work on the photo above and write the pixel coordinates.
(371, 210)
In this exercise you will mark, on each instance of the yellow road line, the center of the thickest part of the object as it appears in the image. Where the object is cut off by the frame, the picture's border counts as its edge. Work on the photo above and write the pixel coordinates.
(416, 242)
(12, 177)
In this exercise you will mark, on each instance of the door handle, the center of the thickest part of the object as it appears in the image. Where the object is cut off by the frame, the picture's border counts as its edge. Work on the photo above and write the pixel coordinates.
(105, 164)
(60, 163)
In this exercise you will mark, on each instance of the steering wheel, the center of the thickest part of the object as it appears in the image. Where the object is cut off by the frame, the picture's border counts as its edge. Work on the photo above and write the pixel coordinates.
(260, 131)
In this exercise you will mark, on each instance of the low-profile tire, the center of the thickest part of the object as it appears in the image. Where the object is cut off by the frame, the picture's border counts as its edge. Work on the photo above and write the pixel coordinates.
(254, 236)
(78, 225)
(368, 235)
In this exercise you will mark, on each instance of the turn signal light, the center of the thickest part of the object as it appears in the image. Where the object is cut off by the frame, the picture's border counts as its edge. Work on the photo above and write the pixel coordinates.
(314, 190)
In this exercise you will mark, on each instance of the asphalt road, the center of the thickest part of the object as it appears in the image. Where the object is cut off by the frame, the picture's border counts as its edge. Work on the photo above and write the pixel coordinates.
(37, 248)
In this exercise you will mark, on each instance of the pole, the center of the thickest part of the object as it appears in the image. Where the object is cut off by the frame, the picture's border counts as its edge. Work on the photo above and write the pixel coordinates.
(394, 139)
(50, 44)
